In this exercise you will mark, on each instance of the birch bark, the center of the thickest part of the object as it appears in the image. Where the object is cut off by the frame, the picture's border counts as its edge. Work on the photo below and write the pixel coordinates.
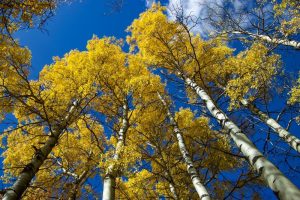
(173, 191)
(201, 190)
(292, 140)
(29, 171)
(109, 182)
(291, 43)
(282, 187)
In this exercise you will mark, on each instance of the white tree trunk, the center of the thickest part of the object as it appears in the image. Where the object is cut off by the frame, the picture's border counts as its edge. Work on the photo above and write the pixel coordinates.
(201, 190)
(173, 191)
(29, 171)
(291, 43)
(110, 176)
(281, 186)
(109, 185)
(292, 140)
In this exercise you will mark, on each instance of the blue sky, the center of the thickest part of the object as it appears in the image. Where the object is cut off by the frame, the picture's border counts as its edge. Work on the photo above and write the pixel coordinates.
(73, 25)
(70, 28)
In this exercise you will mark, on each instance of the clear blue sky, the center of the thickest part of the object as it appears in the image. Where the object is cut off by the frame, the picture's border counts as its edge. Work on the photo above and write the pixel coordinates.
(73, 25)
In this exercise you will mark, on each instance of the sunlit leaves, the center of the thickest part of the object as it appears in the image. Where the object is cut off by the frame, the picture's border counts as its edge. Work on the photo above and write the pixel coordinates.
(14, 63)
(251, 74)
(209, 62)
(295, 93)
(79, 150)
(24, 13)
(104, 79)
(289, 11)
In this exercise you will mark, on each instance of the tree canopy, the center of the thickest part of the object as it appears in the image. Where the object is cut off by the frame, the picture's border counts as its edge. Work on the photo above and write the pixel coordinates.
(165, 114)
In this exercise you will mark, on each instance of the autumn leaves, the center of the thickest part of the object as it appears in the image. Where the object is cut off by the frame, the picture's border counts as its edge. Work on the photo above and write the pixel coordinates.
(147, 147)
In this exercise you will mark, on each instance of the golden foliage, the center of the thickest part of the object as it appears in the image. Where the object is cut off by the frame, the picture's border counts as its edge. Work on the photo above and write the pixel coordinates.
(209, 62)
(28, 13)
(295, 93)
(251, 73)
(289, 10)
(78, 150)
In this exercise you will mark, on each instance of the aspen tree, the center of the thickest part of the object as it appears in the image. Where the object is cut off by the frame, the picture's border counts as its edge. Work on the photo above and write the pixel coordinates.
(154, 139)
(177, 50)
(252, 73)
(158, 145)
(201, 190)
(57, 115)
(71, 162)
(68, 89)
(109, 182)
(138, 85)
(269, 21)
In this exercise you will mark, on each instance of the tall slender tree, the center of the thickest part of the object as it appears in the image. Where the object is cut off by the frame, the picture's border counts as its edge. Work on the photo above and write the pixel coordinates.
(271, 22)
(185, 55)
(200, 188)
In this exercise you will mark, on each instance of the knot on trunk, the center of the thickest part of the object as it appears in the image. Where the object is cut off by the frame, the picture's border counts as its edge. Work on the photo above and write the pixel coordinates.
(256, 158)
(39, 155)
(28, 168)
(203, 196)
